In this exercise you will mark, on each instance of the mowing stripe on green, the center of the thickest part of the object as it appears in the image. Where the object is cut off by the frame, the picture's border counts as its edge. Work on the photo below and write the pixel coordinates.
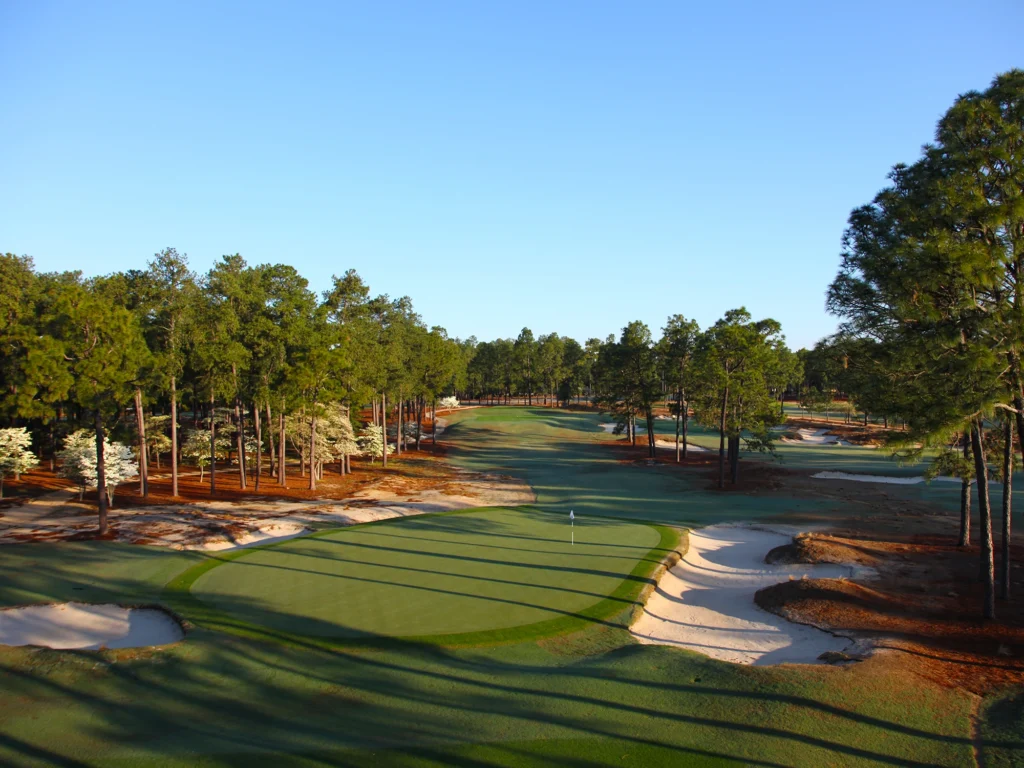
(485, 576)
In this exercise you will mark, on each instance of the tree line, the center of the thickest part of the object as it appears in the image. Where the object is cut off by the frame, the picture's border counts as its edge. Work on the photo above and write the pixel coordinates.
(256, 361)
(731, 378)
(247, 363)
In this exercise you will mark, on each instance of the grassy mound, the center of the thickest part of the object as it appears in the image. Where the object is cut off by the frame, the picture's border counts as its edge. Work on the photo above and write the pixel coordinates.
(484, 576)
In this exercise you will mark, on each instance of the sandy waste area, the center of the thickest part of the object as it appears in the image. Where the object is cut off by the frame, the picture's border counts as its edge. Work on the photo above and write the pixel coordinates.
(222, 524)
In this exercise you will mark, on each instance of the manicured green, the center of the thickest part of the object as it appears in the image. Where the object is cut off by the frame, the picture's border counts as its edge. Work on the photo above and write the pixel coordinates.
(469, 577)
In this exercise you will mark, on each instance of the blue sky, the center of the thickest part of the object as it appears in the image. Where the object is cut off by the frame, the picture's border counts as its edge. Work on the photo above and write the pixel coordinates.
(564, 166)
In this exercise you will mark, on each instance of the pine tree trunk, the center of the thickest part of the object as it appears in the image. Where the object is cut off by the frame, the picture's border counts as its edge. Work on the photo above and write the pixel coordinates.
(174, 436)
(282, 470)
(270, 442)
(400, 431)
(679, 411)
(384, 429)
(258, 428)
(140, 426)
(240, 426)
(213, 448)
(734, 458)
(721, 440)
(1004, 576)
(101, 476)
(965, 500)
(420, 406)
(433, 423)
(312, 451)
(985, 511)
(686, 417)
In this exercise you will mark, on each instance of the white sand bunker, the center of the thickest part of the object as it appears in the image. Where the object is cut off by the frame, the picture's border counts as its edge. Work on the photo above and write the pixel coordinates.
(874, 478)
(659, 442)
(888, 479)
(84, 626)
(690, 447)
(815, 437)
(705, 603)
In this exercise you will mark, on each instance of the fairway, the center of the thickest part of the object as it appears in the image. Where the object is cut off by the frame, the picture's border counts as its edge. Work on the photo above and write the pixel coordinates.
(567, 460)
(437, 575)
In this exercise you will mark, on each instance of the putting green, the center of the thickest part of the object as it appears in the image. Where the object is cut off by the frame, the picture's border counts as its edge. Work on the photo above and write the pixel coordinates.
(445, 575)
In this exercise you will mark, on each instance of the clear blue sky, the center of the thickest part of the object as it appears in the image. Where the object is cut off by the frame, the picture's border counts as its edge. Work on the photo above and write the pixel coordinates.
(564, 166)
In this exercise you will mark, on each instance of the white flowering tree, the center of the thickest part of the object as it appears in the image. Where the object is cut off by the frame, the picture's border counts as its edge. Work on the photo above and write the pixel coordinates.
(371, 440)
(197, 448)
(78, 462)
(157, 440)
(335, 431)
(250, 451)
(448, 403)
(335, 438)
(15, 456)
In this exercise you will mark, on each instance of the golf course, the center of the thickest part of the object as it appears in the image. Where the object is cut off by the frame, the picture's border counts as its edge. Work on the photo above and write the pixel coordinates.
(511, 385)
(482, 637)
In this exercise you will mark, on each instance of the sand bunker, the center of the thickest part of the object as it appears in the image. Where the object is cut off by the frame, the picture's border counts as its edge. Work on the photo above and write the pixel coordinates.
(886, 478)
(874, 478)
(690, 447)
(705, 603)
(815, 437)
(658, 442)
(87, 627)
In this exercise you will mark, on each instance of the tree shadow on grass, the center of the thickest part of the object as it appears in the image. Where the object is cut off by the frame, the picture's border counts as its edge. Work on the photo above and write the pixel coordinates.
(243, 697)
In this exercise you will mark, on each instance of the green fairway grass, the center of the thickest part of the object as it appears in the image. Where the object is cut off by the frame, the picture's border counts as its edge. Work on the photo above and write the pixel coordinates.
(474, 573)
(480, 638)
(565, 457)
(592, 697)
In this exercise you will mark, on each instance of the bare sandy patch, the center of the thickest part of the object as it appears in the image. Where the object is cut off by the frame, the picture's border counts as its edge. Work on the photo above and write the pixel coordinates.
(247, 519)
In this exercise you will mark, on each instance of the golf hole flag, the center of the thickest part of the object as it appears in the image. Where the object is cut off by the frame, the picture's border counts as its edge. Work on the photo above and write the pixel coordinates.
(572, 529)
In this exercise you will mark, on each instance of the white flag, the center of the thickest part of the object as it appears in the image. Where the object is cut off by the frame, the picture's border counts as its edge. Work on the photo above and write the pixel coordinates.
(571, 515)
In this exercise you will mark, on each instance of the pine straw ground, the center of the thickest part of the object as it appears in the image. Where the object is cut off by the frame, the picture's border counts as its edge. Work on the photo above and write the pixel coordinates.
(925, 601)
(417, 481)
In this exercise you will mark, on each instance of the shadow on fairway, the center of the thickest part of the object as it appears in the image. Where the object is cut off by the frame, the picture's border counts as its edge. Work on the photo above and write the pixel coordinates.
(275, 698)
(244, 697)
